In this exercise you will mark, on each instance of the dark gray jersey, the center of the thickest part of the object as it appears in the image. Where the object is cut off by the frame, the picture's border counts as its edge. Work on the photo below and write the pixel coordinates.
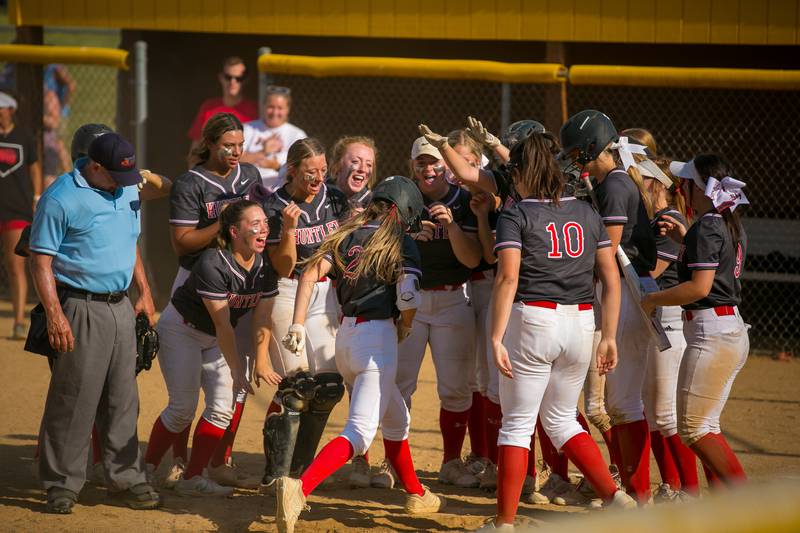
(667, 250)
(367, 297)
(319, 219)
(558, 246)
(358, 200)
(440, 266)
(217, 276)
(708, 246)
(197, 197)
(620, 203)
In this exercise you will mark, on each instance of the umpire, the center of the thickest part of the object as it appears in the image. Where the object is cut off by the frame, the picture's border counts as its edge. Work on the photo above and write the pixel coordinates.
(83, 245)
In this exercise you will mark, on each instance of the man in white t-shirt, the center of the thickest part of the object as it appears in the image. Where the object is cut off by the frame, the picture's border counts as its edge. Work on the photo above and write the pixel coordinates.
(267, 140)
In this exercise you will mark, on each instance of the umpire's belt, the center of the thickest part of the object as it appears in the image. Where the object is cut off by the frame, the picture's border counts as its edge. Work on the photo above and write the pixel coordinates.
(80, 294)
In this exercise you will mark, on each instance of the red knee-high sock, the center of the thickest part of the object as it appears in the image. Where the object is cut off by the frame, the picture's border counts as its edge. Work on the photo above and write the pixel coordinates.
(686, 462)
(584, 453)
(634, 445)
(714, 482)
(717, 455)
(160, 440)
(557, 462)
(205, 441)
(512, 464)
(453, 426)
(180, 446)
(399, 456)
(532, 456)
(667, 466)
(477, 426)
(223, 451)
(584, 423)
(494, 421)
(330, 459)
(614, 453)
(97, 446)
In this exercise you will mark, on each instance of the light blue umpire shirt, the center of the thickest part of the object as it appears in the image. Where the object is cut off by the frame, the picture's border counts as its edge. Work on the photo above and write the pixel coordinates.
(90, 233)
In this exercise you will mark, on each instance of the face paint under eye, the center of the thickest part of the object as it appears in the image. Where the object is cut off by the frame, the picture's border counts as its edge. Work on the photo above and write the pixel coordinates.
(310, 178)
(226, 151)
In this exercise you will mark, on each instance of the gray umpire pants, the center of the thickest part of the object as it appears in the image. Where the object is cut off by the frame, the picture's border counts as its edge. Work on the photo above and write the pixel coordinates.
(95, 383)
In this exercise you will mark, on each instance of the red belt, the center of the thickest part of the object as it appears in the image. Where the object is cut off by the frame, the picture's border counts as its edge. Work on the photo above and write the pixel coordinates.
(554, 305)
(359, 319)
(444, 287)
(479, 275)
(721, 310)
(323, 278)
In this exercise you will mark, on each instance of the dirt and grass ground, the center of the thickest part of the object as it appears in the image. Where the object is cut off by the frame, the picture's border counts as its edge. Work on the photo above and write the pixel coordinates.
(761, 422)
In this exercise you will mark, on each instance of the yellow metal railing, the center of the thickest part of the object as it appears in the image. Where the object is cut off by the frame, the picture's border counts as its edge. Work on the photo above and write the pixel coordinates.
(692, 78)
(30, 53)
(445, 69)
(543, 73)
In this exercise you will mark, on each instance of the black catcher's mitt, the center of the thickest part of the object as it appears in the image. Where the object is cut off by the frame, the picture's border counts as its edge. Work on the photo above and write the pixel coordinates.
(146, 343)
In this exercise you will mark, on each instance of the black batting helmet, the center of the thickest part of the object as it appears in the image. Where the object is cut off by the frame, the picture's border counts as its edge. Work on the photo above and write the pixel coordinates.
(519, 131)
(588, 132)
(84, 136)
(403, 193)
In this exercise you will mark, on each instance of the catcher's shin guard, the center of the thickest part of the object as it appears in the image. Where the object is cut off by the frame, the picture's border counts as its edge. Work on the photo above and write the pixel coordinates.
(328, 390)
(281, 428)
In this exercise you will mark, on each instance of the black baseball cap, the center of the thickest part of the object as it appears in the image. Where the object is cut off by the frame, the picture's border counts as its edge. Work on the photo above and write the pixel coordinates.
(117, 156)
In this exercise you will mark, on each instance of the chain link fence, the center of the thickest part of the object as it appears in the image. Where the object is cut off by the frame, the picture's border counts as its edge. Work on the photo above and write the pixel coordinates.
(72, 95)
(757, 132)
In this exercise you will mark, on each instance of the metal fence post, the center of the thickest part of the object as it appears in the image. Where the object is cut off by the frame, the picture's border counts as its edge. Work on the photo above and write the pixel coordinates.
(505, 106)
(263, 79)
(140, 101)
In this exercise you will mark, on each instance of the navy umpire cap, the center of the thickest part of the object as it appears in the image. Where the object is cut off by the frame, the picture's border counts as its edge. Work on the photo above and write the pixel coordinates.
(116, 155)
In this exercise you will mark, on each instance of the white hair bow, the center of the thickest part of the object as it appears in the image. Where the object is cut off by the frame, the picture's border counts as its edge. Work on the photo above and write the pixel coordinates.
(725, 193)
(627, 150)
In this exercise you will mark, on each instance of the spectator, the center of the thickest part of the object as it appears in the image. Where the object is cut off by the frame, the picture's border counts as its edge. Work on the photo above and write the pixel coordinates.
(232, 79)
(22, 185)
(267, 140)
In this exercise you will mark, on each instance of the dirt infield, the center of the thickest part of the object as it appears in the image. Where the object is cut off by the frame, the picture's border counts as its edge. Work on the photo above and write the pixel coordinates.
(761, 422)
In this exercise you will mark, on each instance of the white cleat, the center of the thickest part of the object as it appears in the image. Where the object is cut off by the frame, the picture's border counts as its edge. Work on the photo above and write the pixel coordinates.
(622, 501)
(229, 475)
(201, 486)
(290, 503)
(428, 503)
(385, 478)
(489, 478)
(454, 472)
(360, 475)
(491, 526)
(174, 474)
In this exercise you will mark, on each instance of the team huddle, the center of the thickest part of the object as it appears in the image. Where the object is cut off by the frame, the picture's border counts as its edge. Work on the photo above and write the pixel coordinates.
(533, 266)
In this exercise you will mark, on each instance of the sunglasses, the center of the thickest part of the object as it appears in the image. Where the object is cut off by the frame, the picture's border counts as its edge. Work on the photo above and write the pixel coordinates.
(277, 89)
(229, 78)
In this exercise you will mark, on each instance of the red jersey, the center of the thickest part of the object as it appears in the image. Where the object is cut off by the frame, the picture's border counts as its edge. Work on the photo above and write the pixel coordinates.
(245, 111)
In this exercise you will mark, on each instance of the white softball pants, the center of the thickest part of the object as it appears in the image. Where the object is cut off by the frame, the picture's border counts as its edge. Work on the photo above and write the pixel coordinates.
(366, 356)
(480, 297)
(444, 320)
(321, 324)
(190, 360)
(624, 384)
(716, 350)
(244, 335)
(661, 380)
(549, 350)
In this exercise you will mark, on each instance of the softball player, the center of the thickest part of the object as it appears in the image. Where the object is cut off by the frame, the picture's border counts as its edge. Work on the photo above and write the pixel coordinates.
(196, 200)
(589, 142)
(377, 267)
(198, 343)
(301, 215)
(450, 250)
(710, 265)
(352, 169)
(548, 248)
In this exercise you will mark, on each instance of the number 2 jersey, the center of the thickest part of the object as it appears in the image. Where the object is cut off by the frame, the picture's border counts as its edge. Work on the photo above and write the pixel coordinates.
(558, 245)
(708, 246)
(366, 297)
(217, 276)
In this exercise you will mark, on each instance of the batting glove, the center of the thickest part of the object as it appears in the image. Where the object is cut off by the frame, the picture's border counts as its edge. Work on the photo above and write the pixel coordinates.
(477, 131)
(295, 339)
(434, 138)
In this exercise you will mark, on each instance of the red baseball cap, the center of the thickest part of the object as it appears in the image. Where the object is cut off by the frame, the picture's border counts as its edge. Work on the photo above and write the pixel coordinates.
(117, 156)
